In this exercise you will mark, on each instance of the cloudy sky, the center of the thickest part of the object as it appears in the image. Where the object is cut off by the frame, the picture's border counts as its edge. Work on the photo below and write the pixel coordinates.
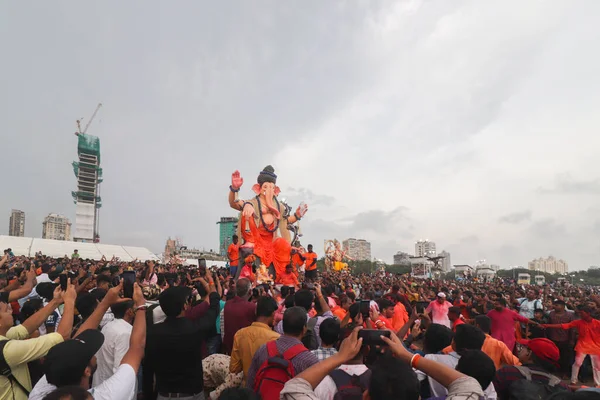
(473, 124)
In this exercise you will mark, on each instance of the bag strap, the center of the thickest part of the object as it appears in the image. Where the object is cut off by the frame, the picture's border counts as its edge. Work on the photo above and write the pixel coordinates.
(340, 378)
(6, 371)
(272, 348)
(294, 351)
(552, 380)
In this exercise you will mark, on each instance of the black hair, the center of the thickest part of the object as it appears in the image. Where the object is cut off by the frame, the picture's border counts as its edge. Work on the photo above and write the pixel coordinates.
(69, 393)
(437, 337)
(501, 300)
(46, 268)
(289, 301)
(230, 295)
(86, 303)
(454, 310)
(52, 275)
(265, 306)
(294, 321)
(29, 308)
(103, 279)
(393, 379)
(484, 322)
(584, 308)
(120, 309)
(329, 331)
(304, 298)
(173, 300)
(238, 393)
(478, 365)
(354, 310)
(384, 303)
(468, 337)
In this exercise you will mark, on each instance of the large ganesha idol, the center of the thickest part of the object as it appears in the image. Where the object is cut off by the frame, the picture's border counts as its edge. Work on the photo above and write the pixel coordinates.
(265, 222)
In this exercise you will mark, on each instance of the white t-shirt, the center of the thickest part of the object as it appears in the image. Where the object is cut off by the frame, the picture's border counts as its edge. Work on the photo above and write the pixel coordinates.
(527, 307)
(116, 344)
(327, 388)
(120, 386)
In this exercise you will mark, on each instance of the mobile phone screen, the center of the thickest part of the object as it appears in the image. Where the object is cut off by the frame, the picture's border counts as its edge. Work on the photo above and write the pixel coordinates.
(365, 306)
(372, 337)
(63, 282)
(128, 281)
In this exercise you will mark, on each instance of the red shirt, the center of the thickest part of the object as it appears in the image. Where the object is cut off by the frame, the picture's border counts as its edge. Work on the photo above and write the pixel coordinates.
(238, 313)
(310, 258)
(457, 323)
(288, 279)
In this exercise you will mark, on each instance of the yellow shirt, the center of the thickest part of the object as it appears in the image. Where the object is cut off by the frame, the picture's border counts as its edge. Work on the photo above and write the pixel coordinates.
(18, 353)
(246, 342)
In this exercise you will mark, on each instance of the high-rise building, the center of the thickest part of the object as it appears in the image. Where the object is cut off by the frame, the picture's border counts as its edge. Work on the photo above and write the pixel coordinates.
(227, 228)
(401, 258)
(425, 248)
(87, 197)
(446, 262)
(16, 225)
(56, 227)
(357, 249)
(550, 265)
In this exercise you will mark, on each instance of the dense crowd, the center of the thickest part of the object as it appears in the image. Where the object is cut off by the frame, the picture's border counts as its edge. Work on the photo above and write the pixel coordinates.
(109, 329)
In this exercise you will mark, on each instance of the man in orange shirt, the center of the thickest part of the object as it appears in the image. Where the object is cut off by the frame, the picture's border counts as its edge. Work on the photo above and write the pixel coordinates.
(310, 263)
(341, 310)
(288, 278)
(383, 320)
(587, 344)
(400, 314)
(493, 348)
(233, 252)
(454, 317)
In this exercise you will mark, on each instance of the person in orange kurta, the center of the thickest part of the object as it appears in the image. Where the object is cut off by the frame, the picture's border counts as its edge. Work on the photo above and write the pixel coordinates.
(247, 269)
(400, 316)
(288, 278)
(341, 310)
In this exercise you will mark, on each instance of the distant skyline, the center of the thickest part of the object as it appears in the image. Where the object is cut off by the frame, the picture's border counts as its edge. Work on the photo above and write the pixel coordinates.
(473, 124)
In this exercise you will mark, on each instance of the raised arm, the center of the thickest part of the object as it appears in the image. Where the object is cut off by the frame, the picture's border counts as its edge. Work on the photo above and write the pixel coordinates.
(24, 290)
(94, 320)
(321, 299)
(137, 341)
(65, 327)
(437, 371)
(36, 320)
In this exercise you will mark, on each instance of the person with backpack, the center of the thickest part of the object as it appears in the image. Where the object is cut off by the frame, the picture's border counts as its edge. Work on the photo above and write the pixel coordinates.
(278, 361)
(528, 305)
(349, 380)
(540, 359)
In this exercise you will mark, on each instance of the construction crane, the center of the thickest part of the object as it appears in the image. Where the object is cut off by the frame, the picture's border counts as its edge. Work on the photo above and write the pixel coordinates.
(79, 131)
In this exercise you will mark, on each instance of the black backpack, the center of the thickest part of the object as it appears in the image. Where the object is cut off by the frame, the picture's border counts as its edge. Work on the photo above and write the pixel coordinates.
(350, 387)
(526, 389)
(7, 372)
(310, 338)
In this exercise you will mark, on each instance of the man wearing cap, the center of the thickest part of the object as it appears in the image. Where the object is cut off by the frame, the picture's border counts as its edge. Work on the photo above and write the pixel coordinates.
(18, 353)
(73, 362)
(536, 355)
(439, 310)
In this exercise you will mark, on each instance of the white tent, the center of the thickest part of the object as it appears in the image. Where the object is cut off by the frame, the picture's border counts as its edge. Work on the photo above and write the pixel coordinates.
(23, 246)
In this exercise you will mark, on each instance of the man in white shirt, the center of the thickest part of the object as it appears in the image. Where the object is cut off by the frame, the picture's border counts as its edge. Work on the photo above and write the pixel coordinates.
(528, 305)
(116, 341)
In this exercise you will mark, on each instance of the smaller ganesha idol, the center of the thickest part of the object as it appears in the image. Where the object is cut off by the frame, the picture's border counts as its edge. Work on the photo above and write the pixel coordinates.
(265, 222)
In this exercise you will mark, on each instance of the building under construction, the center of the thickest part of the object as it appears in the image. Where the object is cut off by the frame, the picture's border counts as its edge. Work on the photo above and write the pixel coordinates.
(89, 176)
